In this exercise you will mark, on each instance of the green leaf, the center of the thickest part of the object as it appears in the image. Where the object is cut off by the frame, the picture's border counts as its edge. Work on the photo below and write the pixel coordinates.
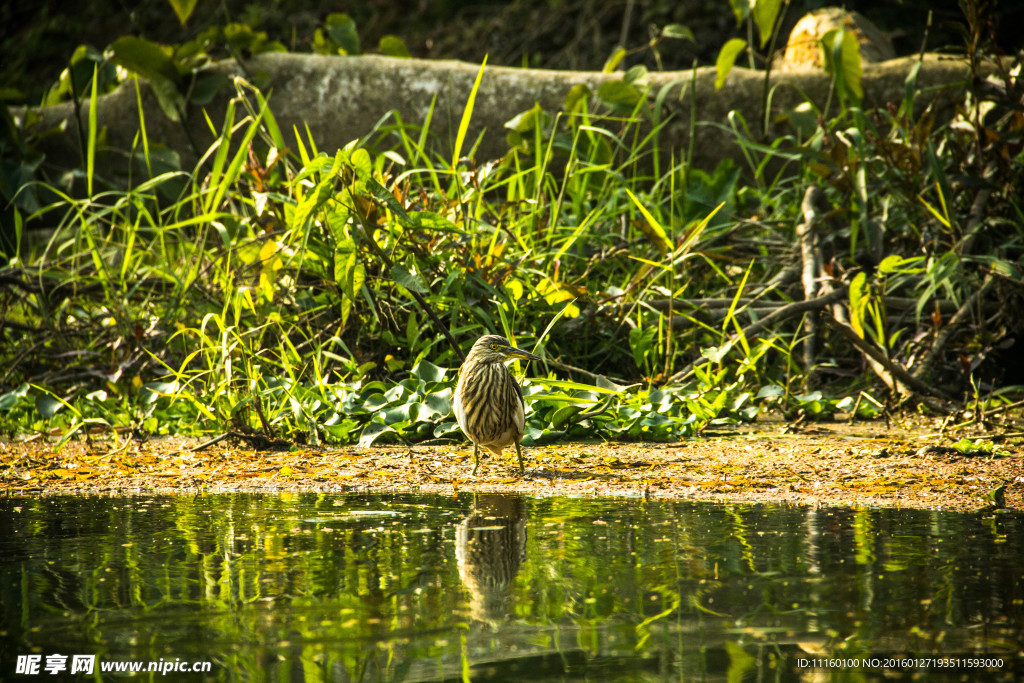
(577, 97)
(561, 417)
(726, 58)
(528, 120)
(342, 30)
(428, 372)
(385, 195)
(48, 405)
(741, 9)
(361, 163)
(151, 391)
(859, 298)
(13, 397)
(183, 8)
(207, 86)
(428, 220)
(635, 73)
(144, 58)
(402, 276)
(148, 60)
(678, 31)
(349, 273)
(841, 48)
(374, 431)
(393, 46)
(613, 62)
(619, 93)
(440, 402)
(765, 12)
(771, 391)
(890, 264)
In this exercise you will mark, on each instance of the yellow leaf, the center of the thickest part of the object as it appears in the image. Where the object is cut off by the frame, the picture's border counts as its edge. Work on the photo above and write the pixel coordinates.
(268, 250)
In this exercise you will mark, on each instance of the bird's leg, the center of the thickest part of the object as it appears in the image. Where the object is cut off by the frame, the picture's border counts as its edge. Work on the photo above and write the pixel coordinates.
(476, 458)
(519, 452)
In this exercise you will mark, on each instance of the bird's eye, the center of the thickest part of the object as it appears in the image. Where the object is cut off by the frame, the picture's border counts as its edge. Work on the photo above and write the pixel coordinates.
(495, 347)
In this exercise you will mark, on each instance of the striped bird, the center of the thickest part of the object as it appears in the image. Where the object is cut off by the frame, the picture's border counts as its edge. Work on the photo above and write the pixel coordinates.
(488, 401)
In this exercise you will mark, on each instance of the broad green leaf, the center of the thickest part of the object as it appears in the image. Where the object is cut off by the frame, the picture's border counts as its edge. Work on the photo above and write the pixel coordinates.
(765, 12)
(726, 58)
(428, 372)
(841, 48)
(373, 432)
(361, 163)
(349, 273)
(402, 276)
(577, 97)
(48, 405)
(528, 120)
(13, 397)
(393, 46)
(342, 30)
(635, 73)
(206, 87)
(427, 220)
(388, 198)
(561, 417)
(619, 93)
(771, 391)
(145, 58)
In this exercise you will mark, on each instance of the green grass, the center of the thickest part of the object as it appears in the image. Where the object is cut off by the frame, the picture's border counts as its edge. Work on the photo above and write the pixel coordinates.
(316, 295)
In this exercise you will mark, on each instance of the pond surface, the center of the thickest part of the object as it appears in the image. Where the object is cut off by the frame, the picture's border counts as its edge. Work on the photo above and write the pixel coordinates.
(306, 587)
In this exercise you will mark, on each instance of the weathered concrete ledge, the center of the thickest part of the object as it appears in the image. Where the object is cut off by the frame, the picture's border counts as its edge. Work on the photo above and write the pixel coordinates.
(342, 98)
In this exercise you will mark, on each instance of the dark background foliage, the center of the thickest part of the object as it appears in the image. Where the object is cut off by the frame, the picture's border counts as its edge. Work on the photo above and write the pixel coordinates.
(39, 37)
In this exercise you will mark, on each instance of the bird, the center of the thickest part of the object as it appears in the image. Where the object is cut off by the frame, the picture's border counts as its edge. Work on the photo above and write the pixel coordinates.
(488, 401)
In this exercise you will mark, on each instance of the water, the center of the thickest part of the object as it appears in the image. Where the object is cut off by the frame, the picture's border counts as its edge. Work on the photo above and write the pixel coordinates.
(306, 587)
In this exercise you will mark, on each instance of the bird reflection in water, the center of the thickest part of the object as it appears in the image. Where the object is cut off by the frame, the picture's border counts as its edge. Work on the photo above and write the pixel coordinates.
(490, 546)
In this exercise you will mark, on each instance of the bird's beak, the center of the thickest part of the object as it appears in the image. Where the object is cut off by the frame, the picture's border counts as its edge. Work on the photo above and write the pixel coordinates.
(513, 352)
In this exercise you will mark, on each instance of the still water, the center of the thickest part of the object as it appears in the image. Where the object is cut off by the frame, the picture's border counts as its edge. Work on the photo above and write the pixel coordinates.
(309, 587)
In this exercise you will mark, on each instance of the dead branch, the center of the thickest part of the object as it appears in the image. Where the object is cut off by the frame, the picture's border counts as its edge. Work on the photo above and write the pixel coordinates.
(787, 311)
(810, 267)
(894, 375)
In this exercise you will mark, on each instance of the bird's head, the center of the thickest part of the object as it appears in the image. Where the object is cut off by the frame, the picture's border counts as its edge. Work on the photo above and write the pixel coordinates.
(493, 348)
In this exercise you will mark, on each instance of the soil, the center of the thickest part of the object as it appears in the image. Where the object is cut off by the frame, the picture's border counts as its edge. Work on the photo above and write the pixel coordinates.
(860, 464)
